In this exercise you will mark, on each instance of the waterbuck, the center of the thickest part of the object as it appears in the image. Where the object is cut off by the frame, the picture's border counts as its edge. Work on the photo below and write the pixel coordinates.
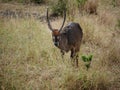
(68, 38)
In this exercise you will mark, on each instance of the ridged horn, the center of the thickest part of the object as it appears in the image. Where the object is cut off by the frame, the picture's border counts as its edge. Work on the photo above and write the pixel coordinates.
(48, 22)
(63, 21)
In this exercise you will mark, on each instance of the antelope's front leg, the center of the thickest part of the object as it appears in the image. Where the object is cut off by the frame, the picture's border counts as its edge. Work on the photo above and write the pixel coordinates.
(62, 53)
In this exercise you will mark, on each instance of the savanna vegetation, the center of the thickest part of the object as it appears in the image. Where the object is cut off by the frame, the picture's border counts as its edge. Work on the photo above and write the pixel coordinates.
(30, 61)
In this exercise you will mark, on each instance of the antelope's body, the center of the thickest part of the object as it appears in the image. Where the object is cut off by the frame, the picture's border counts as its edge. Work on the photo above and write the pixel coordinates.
(70, 37)
(67, 39)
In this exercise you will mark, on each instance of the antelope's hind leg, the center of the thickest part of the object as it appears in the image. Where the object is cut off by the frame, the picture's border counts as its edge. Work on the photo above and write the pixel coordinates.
(77, 56)
(74, 57)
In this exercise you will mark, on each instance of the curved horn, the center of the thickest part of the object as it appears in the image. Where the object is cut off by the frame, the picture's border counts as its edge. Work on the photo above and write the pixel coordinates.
(49, 25)
(63, 21)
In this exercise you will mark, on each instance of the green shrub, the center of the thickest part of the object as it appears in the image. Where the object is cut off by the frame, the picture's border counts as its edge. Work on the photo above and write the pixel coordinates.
(59, 7)
(87, 60)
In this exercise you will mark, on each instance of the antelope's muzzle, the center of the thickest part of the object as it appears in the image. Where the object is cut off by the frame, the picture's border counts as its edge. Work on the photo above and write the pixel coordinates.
(56, 44)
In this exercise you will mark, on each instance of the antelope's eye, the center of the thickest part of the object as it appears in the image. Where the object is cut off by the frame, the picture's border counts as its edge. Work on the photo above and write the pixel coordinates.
(53, 38)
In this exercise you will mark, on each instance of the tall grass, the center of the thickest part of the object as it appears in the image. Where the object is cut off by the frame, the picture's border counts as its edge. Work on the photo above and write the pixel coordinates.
(30, 61)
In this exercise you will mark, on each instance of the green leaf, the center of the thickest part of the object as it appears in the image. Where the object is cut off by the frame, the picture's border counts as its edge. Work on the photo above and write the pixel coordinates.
(90, 57)
(84, 58)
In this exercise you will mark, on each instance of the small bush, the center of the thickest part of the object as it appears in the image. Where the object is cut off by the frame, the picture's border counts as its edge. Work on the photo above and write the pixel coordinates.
(91, 6)
(58, 8)
(87, 60)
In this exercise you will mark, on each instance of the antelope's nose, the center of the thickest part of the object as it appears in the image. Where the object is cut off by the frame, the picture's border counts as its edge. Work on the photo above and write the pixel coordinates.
(56, 43)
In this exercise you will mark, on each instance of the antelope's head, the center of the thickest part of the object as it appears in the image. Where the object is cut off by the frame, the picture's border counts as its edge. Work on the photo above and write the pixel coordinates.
(55, 32)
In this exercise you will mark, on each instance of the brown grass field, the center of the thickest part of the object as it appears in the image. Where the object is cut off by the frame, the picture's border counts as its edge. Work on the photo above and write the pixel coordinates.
(30, 61)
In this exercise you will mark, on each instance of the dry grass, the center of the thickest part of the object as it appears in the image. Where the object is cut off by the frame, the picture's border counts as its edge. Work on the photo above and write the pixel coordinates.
(29, 60)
